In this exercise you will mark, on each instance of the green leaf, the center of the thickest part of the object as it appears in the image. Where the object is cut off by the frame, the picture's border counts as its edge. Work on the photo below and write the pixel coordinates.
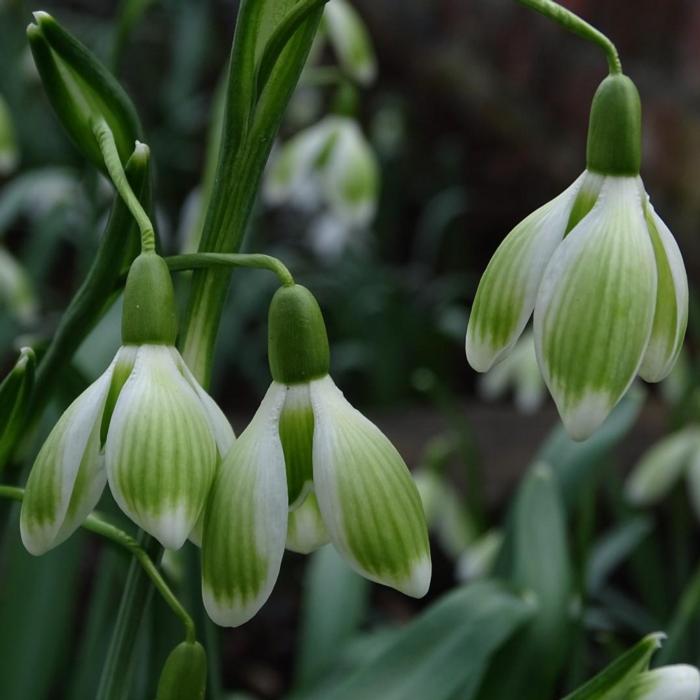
(334, 605)
(614, 548)
(443, 650)
(615, 681)
(535, 558)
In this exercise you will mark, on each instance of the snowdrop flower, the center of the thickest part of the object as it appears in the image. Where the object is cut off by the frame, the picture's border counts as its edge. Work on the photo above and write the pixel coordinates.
(329, 165)
(145, 426)
(601, 271)
(519, 371)
(308, 468)
(348, 36)
(16, 293)
(680, 682)
(658, 471)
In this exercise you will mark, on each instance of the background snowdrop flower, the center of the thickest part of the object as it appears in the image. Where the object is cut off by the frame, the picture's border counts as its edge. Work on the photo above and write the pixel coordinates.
(308, 468)
(328, 165)
(679, 682)
(517, 371)
(663, 466)
(145, 426)
(600, 270)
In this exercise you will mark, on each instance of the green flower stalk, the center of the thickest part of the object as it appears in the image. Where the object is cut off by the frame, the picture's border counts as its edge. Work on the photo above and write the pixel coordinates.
(9, 153)
(601, 271)
(145, 426)
(308, 468)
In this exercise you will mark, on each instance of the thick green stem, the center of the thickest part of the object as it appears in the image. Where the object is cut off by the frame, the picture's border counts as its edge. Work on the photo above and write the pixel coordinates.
(199, 261)
(578, 26)
(108, 148)
(95, 523)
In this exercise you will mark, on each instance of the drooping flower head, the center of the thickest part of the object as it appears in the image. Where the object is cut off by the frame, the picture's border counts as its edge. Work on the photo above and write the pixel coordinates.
(601, 271)
(145, 426)
(309, 468)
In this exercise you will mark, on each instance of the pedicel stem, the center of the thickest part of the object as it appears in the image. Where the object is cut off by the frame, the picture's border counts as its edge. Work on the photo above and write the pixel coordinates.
(578, 26)
(197, 261)
(108, 147)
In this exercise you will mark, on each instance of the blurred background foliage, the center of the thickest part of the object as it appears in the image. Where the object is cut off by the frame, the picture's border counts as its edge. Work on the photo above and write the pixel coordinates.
(478, 115)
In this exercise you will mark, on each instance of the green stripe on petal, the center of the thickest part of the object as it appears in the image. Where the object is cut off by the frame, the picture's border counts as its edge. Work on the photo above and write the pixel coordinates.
(661, 467)
(245, 526)
(296, 434)
(68, 476)
(671, 315)
(367, 497)
(595, 308)
(305, 529)
(507, 291)
(160, 454)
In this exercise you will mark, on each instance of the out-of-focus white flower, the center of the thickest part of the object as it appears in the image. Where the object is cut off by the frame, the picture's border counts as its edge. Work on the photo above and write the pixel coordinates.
(680, 682)
(328, 167)
(518, 371)
(350, 40)
(478, 559)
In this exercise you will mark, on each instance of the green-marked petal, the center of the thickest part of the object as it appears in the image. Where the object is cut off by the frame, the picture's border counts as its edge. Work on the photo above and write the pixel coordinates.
(595, 308)
(218, 423)
(296, 434)
(507, 291)
(661, 467)
(305, 529)
(350, 41)
(290, 176)
(68, 475)
(246, 521)
(160, 453)
(351, 179)
(367, 497)
(679, 682)
(671, 315)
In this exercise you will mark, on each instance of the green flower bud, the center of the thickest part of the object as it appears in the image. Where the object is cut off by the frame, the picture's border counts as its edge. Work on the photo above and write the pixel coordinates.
(615, 128)
(15, 395)
(184, 675)
(149, 314)
(297, 339)
(81, 90)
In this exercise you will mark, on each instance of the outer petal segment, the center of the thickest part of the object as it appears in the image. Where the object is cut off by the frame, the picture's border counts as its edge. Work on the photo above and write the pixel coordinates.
(160, 452)
(245, 527)
(671, 315)
(68, 476)
(595, 308)
(367, 497)
(506, 295)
